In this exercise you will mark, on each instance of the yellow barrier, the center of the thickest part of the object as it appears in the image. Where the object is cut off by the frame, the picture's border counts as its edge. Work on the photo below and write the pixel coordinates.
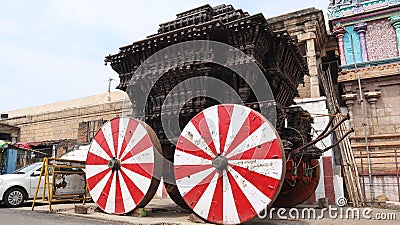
(67, 181)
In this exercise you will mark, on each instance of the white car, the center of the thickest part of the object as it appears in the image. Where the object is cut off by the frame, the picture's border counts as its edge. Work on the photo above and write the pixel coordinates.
(20, 185)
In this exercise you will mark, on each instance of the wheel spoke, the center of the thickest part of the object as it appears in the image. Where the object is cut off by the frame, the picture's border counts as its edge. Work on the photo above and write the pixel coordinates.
(259, 181)
(184, 145)
(224, 121)
(138, 134)
(216, 208)
(263, 134)
(207, 128)
(127, 137)
(230, 210)
(191, 140)
(251, 124)
(115, 133)
(258, 200)
(103, 142)
(267, 150)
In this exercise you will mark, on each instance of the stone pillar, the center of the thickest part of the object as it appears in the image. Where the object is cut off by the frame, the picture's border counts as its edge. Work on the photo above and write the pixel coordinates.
(396, 24)
(360, 28)
(372, 98)
(312, 68)
(339, 33)
(313, 54)
(349, 100)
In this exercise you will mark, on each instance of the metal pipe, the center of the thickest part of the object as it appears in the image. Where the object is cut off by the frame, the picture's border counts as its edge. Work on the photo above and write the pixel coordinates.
(341, 139)
(327, 126)
(363, 177)
(397, 174)
(323, 136)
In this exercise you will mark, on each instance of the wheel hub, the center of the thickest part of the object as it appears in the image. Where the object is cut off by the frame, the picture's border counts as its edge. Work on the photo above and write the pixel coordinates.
(220, 162)
(114, 164)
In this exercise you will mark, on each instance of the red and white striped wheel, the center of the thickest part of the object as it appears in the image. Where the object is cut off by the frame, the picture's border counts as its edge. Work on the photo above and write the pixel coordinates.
(121, 170)
(229, 164)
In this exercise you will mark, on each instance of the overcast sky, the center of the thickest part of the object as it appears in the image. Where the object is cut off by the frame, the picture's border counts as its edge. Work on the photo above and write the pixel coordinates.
(54, 50)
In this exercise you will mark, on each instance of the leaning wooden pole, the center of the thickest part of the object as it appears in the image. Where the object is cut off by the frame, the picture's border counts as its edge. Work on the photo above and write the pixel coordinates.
(350, 172)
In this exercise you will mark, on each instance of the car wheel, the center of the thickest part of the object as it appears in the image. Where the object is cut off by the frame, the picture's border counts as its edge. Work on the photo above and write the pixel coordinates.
(14, 197)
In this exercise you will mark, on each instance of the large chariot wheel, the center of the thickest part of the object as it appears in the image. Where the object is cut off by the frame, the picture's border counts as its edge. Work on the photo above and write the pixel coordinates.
(122, 166)
(229, 164)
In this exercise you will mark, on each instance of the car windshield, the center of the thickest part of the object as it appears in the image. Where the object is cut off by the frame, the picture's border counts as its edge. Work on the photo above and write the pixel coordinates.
(26, 169)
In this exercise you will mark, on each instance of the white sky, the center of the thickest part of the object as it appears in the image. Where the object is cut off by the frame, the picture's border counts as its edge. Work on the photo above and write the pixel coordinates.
(54, 50)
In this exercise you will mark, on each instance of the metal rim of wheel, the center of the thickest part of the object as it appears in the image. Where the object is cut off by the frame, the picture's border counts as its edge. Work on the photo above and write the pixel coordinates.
(15, 197)
(229, 164)
(121, 168)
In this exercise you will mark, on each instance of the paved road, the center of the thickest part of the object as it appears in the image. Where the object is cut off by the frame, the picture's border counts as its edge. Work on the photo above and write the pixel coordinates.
(26, 217)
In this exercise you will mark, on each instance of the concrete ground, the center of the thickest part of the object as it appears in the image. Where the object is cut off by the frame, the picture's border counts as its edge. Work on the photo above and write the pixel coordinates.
(164, 211)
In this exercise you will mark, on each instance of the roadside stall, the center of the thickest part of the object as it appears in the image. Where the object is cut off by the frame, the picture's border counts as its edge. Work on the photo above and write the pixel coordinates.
(13, 157)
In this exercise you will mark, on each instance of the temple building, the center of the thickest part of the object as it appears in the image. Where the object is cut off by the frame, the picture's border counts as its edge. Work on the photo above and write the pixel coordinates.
(319, 48)
(368, 37)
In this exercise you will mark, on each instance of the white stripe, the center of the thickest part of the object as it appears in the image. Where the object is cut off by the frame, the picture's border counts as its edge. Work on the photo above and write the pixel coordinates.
(183, 158)
(239, 116)
(138, 134)
(92, 170)
(110, 205)
(98, 189)
(142, 182)
(230, 214)
(260, 136)
(146, 156)
(190, 133)
(123, 124)
(96, 149)
(212, 120)
(320, 191)
(186, 184)
(106, 128)
(204, 204)
(257, 199)
(267, 167)
(129, 204)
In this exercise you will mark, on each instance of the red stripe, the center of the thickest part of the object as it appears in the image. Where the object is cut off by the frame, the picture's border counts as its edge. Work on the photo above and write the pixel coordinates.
(182, 171)
(142, 145)
(184, 145)
(243, 206)
(268, 150)
(252, 123)
(136, 194)
(102, 201)
(216, 209)
(119, 200)
(328, 179)
(130, 130)
(93, 159)
(200, 123)
(144, 169)
(267, 185)
(193, 196)
(225, 116)
(101, 140)
(95, 179)
(115, 133)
